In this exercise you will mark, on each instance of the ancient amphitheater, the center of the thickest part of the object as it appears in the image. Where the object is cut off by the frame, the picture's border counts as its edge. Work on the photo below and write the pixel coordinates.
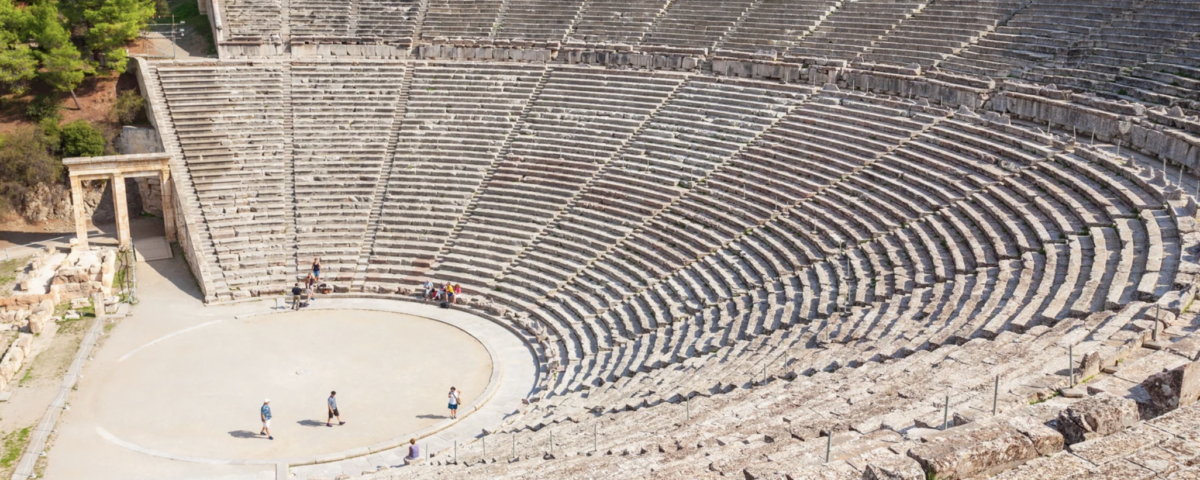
(803, 239)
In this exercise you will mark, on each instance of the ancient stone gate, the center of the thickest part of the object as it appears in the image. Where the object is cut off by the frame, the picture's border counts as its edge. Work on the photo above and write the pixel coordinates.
(115, 169)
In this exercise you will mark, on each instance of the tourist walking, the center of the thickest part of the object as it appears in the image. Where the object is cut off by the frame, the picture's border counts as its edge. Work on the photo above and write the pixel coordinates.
(297, 296)
(264, 414)
(316, 267)
(333, 411)
(453, 402)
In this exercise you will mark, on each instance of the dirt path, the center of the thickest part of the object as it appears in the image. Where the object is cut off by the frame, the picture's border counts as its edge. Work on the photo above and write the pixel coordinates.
(38, 382)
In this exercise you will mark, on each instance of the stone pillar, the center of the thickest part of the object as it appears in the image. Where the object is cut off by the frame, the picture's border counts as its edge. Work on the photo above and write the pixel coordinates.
(81, 221)
(168, 203)
(122, 211)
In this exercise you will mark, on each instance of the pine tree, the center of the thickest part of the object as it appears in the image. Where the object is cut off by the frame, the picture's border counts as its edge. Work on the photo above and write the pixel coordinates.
(114, 23)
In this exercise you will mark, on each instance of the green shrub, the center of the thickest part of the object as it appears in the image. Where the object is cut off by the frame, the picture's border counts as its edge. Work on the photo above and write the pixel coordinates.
(129, 108)
(81, 139)
(25, 161)
(43, 107)
(52, 133)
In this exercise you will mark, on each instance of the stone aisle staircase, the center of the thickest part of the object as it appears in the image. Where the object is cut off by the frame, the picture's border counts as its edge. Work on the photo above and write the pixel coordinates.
(579, 193)
(372, 231)
(502, 153)
(211, 277)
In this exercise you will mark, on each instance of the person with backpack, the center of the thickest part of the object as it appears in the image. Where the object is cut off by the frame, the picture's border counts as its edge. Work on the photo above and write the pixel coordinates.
(454, 396)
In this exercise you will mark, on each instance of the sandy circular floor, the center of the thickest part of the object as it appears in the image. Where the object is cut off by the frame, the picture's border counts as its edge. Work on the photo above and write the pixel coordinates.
(197, 392)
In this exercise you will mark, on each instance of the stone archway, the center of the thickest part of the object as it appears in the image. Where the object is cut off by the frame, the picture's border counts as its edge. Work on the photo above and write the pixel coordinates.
(115, 169)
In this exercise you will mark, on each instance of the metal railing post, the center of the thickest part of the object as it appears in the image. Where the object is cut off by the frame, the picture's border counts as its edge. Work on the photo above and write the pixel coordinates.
(1154, 333)
(946, 413)
(1071, 364)
(828, 445)
(996, 395)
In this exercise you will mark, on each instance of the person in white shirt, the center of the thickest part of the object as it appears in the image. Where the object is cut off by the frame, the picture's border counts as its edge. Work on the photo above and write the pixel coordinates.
(453, 402)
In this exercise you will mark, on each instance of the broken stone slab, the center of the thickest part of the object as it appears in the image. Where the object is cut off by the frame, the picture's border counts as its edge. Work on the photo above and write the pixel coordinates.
(893, 467)
(1174, 388)
(1046, 440)
(1188, 347)
(972, 451)
(1096, 416)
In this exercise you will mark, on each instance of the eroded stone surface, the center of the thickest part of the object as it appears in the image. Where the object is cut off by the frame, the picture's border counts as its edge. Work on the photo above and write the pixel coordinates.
(1061, 465)
(974, 451)
(1173, 388)
(1104, 449)
(1096, 416)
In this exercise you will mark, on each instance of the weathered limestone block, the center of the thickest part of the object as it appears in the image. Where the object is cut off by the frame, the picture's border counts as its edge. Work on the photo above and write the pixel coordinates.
(787, 72)
(893, 467)
(25, 343)
(974, 451)
(1090, 365)
(16, 354)
(1096, 416)
(39, 316)
(1046, 440)
(16, 316)
(1173, 388)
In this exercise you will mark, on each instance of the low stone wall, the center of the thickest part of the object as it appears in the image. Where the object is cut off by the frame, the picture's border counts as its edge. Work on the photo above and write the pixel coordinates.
(482, 52)
(51, 278)
(1159, 132)
(621, 58)
(341, 50)
(14, 357)
(938, 87)
(237, 50)
(736, 67)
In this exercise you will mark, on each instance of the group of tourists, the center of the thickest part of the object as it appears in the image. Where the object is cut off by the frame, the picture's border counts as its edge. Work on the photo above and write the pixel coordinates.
(448, 293)
(331, 407)
(303, 296)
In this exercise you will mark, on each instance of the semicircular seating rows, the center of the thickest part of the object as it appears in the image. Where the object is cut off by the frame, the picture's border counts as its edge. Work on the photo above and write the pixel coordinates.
(719, 276)
(665, 236)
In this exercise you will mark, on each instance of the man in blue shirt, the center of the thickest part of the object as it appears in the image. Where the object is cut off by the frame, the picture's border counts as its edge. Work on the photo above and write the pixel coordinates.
(333, 411)
(265, 414)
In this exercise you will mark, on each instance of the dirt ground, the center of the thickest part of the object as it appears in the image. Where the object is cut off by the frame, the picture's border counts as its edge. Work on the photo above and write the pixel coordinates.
(38, 382)
(14, 231)
(96, 97)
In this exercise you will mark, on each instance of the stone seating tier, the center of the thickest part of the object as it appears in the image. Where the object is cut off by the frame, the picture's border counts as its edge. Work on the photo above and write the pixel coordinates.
(697, 219)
